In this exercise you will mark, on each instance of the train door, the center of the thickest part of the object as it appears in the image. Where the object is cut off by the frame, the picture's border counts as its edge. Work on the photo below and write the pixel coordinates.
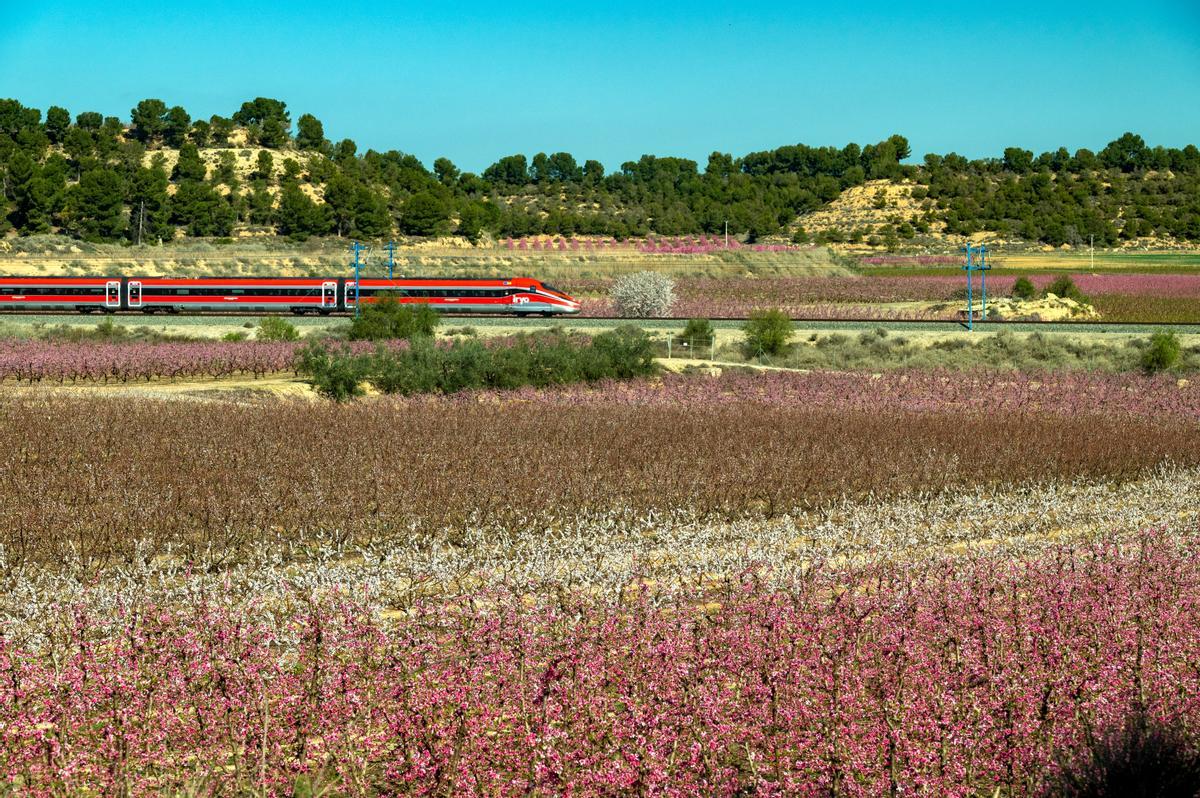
(112, 294)
(351, 292)
(134, 294)
(328, 295)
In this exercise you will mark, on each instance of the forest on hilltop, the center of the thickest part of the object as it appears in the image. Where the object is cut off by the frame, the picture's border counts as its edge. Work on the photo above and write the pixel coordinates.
(101, 178)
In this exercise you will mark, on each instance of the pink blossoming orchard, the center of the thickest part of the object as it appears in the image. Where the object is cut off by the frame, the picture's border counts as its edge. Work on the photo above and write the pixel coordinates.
(910, 583)
(745, 579)
(944, 677)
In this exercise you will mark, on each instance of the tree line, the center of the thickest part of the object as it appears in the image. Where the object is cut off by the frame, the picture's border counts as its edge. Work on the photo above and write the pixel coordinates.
(102, 178)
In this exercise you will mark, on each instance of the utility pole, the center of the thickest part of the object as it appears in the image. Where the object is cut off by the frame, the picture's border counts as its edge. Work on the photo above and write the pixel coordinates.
(726, 234)
(141, 220)
(391, 248)
(1092, 250)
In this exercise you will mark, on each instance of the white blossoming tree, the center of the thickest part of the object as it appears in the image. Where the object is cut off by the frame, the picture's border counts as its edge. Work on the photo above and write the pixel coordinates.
(643, 295)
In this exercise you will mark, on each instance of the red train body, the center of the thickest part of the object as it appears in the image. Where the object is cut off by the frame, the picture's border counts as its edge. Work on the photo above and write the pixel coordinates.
(521, 296)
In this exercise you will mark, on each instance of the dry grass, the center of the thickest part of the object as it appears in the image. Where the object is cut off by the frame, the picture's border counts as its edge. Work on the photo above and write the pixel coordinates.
(267, 257)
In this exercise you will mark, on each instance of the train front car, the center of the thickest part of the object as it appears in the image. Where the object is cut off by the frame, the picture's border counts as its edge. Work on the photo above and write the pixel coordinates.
(558, 301)
(522, 296)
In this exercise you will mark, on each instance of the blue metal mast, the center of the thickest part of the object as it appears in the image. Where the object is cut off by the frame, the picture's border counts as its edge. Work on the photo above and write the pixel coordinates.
(970, 300)
(391, 248)
(983, 267)
(976, 262)
(357, 248)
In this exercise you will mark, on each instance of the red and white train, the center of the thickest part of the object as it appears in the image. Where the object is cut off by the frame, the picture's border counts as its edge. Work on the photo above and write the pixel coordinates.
(522, 296)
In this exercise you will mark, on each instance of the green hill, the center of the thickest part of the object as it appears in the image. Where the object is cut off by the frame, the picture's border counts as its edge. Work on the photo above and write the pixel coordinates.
(161, 175)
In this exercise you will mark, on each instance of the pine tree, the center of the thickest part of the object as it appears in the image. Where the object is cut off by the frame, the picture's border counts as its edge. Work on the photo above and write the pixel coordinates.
(298, 217)
(33, 195)
(190, 166)
(176, 124)
(310, 133)
(202, 210)
(424, 214)
(149, 207)
(341, 199)
(260, 209)
(264, 168)
(58, 121)
(95, 205)
(371, 216)
(149, 119)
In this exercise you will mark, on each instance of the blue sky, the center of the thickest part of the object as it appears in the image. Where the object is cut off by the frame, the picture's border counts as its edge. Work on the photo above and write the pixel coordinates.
(477, 80)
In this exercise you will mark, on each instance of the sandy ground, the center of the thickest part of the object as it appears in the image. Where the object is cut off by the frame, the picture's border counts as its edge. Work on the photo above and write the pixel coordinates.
(231, 389)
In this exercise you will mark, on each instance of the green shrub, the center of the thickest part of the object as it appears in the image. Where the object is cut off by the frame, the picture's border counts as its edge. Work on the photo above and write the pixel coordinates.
(274, 328)
(1063, 286)
(336, 375)
(627, 352)
(107, 330)
(1024, 288)
(768, 332)
(388, 319)
(411, 372)
(234, 335)
(1161, 353)
(697, 334)
(539, 360)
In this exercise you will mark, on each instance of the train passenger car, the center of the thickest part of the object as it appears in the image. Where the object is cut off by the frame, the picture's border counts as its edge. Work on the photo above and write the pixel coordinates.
(522, 296)
(258, 294)
(85, 294)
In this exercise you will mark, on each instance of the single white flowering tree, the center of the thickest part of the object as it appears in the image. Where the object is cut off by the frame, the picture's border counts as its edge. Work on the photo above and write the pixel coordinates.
(643, 295)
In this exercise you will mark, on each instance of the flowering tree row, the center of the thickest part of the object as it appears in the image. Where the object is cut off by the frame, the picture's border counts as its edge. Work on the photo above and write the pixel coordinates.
(379, 471)
(946, 676)
(998, 394)
(36, 361)
(911, 260)
(860, 297)
(673, 245)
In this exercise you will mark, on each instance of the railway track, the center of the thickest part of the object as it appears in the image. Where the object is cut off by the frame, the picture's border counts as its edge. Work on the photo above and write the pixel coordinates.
(945, 325)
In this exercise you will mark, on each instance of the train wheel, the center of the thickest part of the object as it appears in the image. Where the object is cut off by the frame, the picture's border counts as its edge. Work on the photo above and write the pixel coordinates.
(547, 313)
